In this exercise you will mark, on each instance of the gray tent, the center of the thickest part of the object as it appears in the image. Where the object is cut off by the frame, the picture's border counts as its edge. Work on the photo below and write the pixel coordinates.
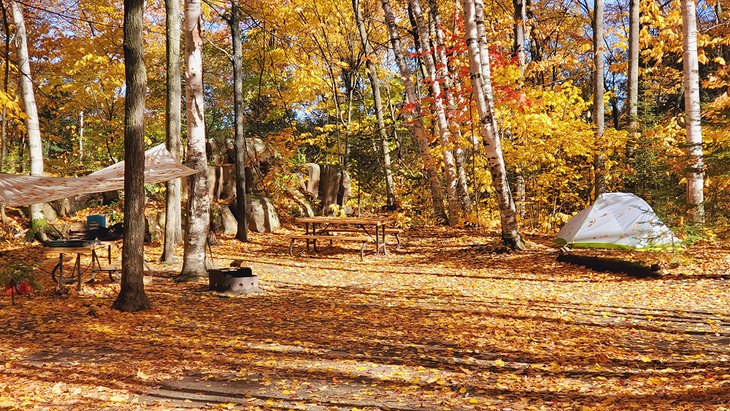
(617, 220)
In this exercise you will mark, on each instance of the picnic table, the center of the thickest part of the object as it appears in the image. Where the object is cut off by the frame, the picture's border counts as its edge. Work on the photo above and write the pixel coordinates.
(370, 229)
(89, 248)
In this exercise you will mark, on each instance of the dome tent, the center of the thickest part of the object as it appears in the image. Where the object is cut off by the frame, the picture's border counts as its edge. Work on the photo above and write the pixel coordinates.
(617, 220)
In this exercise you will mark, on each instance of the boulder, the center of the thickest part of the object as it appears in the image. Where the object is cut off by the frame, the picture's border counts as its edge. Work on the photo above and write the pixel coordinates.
(261, 215)
(310, 180)
(226, 182)
(334, 188)
(49, 213)
(228, 221)
(222, 182)
(154, 226)
(304, 208)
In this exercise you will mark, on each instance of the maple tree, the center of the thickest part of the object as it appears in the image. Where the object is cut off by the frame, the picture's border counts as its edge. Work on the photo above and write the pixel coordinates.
(132, 296)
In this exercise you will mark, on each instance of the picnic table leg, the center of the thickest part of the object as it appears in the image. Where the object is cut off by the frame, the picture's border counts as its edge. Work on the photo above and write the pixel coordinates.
(314, 231)
(60, 272)
(377, 239)
(77, 267)
(306, 231)
(95, 264)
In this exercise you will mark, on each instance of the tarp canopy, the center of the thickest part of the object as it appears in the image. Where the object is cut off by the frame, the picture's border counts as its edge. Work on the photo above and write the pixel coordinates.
(18, 190)
(617, 220)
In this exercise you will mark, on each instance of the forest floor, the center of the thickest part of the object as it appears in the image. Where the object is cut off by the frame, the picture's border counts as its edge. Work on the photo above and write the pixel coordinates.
(446, 323)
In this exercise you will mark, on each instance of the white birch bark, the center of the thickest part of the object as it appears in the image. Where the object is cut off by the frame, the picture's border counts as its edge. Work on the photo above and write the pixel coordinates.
(692, 116)
(518, 48)
(448, 83)
(633, 79)
(419, 130)
(599, 160)
(378, 102)
(488, 125)
(440, 113)
(28, 97)
(198, 210)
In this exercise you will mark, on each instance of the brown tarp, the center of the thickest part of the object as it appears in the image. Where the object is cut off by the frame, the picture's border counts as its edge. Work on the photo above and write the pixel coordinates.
(18, 190)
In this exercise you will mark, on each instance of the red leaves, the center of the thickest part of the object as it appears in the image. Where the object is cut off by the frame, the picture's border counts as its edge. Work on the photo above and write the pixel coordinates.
(21, 288)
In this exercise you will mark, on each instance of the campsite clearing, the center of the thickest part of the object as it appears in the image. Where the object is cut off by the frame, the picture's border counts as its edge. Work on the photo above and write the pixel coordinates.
(430, 327)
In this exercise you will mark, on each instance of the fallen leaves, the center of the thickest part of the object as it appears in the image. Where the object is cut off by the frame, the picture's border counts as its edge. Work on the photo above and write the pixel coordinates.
(436, 326)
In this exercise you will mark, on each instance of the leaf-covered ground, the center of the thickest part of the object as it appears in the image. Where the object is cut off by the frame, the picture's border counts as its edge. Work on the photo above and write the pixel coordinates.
(442, 324)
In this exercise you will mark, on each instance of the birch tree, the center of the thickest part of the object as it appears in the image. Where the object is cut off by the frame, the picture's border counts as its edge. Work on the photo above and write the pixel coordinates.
(451, 107)
(198, 209)
(518, 50)
(415, 117)
(131, 295)
(481, 81)
(633, 80)
(692, 118)
(173, 211)
(440, 113)
(378, 102)
(520, 17)
(599, 160)
(29, 105)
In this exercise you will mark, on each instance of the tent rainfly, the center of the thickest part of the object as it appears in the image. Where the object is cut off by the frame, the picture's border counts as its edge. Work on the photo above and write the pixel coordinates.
(617, 220)
(19, 190)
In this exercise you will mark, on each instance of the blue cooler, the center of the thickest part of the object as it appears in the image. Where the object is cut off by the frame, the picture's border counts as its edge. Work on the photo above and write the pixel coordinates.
(95, 221)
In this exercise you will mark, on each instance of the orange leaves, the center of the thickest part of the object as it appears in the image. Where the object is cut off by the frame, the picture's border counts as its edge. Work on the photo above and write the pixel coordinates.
(439, 325)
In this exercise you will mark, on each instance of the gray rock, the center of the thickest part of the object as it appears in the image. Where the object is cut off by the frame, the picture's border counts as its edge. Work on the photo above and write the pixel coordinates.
(49, 213)
(310, 183)
(334, 188)
(262, 217)
(229, 222)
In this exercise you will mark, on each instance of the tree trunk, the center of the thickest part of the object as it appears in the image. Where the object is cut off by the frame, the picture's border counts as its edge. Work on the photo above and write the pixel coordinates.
(445, 73)
(518, 50)
(28, 97)
(239, 137)
(599, 161)
(6, 81)
(173, 209)
(443, 124)
(378, 102)
(518, 47)
(692, 116)
(198, 210)
(485, 69)
(132, 297)
(490, 136)
(633, 79)
(81, 135)
(429, 163)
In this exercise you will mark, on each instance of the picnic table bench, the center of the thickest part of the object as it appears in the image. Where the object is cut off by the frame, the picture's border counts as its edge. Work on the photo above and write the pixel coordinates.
(395, 232)
(314, 237)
